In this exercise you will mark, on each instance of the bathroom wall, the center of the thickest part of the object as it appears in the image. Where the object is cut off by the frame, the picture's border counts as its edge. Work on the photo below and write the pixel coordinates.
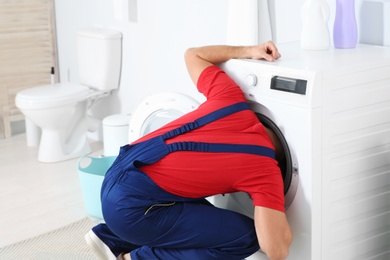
(153, 45)
(155, 39)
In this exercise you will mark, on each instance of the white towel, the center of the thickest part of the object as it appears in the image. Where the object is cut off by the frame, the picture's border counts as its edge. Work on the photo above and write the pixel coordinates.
(248, 22)
(242, 25)
(264, 31)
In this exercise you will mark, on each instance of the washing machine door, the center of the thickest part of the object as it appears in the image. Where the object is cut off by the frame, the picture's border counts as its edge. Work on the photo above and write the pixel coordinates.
(286, 161)
(240, 201)
(158, 110)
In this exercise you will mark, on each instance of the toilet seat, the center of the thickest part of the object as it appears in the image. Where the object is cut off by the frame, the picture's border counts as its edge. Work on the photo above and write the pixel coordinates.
(47, 96)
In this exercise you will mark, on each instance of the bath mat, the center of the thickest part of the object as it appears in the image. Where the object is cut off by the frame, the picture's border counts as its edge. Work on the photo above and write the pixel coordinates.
(66, 243)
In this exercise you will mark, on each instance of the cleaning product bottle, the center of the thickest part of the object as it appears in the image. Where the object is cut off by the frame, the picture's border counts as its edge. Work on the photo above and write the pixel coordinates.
(315, 31)
(345, 30)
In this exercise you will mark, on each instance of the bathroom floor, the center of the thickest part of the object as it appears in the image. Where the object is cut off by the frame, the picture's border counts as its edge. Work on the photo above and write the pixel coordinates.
(36, 197)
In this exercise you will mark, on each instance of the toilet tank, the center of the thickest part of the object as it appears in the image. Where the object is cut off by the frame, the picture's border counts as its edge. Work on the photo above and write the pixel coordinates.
(99, 55)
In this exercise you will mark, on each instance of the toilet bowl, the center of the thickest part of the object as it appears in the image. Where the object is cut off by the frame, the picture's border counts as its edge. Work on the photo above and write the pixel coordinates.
(60, 110)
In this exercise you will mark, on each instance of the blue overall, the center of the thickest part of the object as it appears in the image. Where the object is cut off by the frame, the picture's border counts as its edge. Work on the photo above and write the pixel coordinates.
(153, 224)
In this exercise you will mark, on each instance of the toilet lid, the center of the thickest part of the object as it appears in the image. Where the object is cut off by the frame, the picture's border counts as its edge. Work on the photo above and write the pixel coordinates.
(51, 95)
(158, 110)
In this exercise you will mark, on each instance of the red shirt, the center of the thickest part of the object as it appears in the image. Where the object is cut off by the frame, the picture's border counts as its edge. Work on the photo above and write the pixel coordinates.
(200, 174)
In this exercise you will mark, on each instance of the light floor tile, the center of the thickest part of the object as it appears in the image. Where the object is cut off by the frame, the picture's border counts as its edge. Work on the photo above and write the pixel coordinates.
(36, 197)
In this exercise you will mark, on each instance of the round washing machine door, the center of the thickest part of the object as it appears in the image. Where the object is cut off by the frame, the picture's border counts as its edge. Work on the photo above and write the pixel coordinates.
(286, 161)
(240, 201)
(158, 110)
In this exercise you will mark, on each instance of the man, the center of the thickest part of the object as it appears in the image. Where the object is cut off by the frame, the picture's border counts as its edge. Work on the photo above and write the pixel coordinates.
(153, 195)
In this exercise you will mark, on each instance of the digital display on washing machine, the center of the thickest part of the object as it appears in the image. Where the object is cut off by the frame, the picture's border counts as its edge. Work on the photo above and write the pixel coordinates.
(297, 86)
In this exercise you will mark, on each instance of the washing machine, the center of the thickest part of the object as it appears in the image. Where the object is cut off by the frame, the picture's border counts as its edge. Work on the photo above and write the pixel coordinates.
(331, 112)
(157, 110)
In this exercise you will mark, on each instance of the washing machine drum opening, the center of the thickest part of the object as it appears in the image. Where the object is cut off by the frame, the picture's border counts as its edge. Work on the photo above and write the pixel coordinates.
(159, 118)
(283, 156)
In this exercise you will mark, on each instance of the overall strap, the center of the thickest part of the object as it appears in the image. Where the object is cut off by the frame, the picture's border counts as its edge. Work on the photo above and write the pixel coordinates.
(213, 116)
(222, 148)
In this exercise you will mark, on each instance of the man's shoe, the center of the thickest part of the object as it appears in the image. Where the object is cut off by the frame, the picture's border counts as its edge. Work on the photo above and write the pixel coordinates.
(99, 247)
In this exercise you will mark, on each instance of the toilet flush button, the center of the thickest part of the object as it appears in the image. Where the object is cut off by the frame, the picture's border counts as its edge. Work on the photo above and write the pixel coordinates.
(251, 80)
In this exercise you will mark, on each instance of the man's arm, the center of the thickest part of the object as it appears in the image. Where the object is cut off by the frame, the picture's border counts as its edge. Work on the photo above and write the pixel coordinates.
(197, 59)
(273, 232)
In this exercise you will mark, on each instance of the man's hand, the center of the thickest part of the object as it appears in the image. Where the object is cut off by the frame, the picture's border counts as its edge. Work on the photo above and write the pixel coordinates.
(267, 51)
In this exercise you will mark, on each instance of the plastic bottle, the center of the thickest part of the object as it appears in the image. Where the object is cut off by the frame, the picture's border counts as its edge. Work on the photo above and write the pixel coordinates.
(315, 32)
(345, 32)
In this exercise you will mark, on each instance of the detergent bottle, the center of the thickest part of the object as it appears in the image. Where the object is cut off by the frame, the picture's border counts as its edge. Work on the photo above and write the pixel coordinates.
(345, 32)
(315, 31)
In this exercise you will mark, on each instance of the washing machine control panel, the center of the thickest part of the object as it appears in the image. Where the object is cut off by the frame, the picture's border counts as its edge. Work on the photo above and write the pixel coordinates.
(292, 85)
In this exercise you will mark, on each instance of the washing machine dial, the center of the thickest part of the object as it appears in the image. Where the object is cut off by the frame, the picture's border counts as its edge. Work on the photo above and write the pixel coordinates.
(251, 80)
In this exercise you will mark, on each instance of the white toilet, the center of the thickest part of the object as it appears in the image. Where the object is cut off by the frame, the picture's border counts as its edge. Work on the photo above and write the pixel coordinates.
(60, 110)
